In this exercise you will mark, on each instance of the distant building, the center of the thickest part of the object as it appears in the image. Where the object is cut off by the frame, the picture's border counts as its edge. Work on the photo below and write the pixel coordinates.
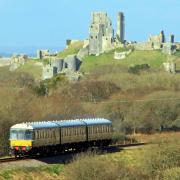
(41, 54)
(45, 54)
(17, 61)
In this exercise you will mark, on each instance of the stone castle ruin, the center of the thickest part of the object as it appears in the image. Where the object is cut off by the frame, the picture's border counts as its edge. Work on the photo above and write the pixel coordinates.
(120, 34)
(17, 61)
(69, 66)
(101, 39)
(45, 54)
(158, 42)
(170, 67)
(101, 33)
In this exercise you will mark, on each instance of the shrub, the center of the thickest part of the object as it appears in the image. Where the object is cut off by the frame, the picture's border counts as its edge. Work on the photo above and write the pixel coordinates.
(90, 167)
(173, 173)
(137, 68)
(162, 157)
(91, 91)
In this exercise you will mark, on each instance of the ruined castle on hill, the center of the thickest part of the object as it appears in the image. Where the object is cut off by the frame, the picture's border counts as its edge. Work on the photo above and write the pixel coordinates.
(102, 38)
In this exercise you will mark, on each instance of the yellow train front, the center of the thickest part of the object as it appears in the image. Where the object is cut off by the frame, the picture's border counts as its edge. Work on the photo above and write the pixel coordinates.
(52, 137)
(21, 139)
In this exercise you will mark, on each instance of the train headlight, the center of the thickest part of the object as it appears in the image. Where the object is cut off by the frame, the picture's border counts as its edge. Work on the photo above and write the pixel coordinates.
(23, 148)
(16, 148)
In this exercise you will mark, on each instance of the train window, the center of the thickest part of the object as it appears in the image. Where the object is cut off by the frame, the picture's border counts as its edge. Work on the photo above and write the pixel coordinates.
(69, 131)
(74, 130)
(103, 128)
(50, 134)
(14, 134)
(28, 134)
(95, 130)
(46, 134)
(100, 129)
(62, 132)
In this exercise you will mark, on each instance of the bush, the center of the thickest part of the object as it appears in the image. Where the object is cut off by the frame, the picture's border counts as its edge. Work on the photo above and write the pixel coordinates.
(162, 157)
(137, 68)
(91, 91)
(173, 173)
(91, 167)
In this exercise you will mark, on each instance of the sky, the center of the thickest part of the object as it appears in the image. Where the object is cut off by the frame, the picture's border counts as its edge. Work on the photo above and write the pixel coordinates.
(26, 25)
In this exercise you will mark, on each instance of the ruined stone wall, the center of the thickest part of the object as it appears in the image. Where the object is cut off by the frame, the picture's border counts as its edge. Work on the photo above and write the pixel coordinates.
(17, 61)
(170, 67)
(144, 46)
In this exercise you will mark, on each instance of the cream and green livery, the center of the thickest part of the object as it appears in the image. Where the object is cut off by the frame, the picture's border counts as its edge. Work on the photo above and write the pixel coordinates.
(58, 136)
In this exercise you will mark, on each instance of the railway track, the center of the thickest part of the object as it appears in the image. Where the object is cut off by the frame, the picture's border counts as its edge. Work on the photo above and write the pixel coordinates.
(8, 159)
(112, 148)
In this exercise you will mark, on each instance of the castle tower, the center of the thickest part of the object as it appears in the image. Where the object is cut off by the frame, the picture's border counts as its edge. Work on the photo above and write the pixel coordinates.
(120, 34)
(101, 33)
(172, 38)
(162, 37)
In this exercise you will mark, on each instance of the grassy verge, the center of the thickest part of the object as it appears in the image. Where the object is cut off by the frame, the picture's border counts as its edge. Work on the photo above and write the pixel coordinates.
(42, 172)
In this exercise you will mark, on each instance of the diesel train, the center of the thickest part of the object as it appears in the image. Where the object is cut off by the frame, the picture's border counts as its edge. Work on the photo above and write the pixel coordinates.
(52, 137)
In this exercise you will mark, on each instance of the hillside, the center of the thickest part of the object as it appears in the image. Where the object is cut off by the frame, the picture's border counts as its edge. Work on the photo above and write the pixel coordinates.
(72, 49)
(153, 58)
(33, 68)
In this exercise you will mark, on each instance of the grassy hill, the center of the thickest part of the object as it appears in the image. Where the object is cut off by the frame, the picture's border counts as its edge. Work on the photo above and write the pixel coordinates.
(32, 67)
(153, 58)
(72, 49)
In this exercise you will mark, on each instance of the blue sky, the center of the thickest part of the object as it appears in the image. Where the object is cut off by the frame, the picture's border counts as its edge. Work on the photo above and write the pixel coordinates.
(33, 24)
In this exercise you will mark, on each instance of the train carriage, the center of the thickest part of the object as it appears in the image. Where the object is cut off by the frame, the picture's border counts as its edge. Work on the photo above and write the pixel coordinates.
(72, 131)
(58, 136)
(99, 131)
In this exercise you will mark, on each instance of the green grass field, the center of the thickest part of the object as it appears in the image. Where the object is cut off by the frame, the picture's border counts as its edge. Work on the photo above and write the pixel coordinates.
(153, 58)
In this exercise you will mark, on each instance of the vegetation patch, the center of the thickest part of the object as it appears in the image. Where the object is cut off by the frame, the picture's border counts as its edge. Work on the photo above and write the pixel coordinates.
(153, 58)
(72, 49)
(33, 68)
